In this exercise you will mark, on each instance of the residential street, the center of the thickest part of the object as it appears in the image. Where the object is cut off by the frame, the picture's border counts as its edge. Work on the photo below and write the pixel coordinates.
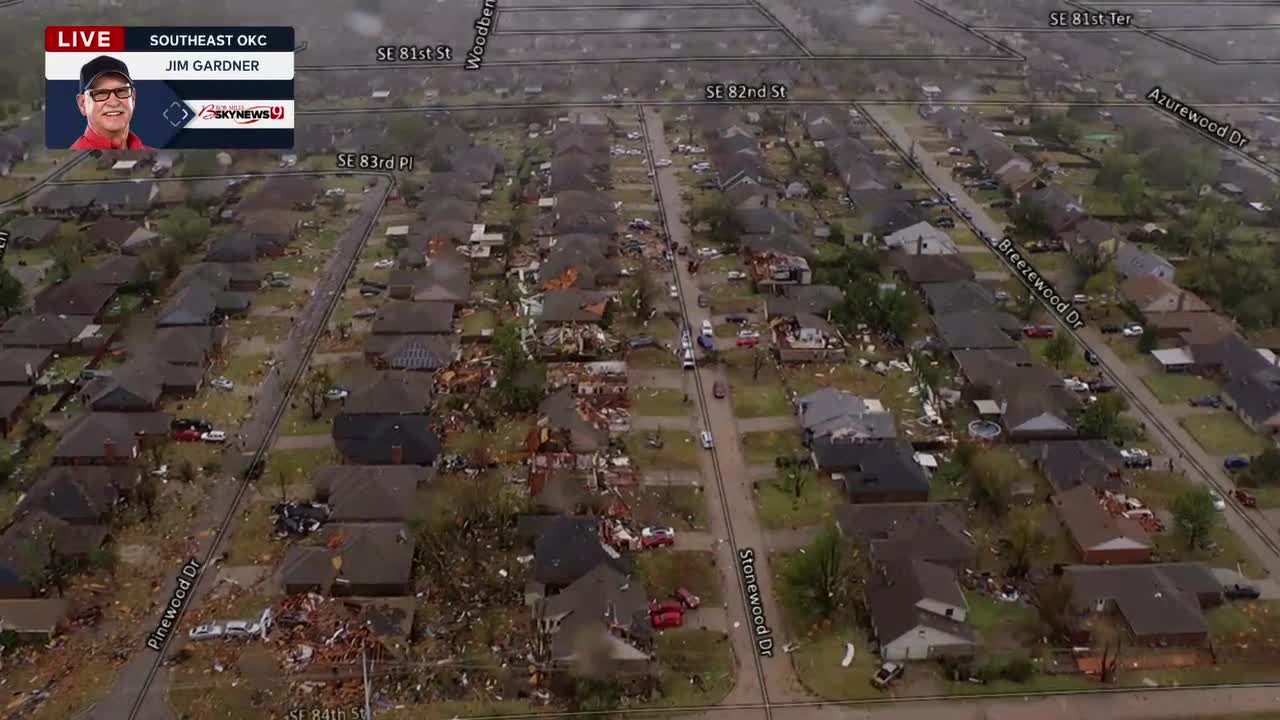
(270, 399)
(1162, 427)
(732, 508)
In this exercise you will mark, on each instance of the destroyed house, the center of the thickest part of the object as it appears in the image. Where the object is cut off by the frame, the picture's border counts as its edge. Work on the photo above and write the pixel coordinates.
(565, 549)
(604, 611)
(575, 266)
(563, 426)
(573, 305)
(355, 559)
(589, 379)
(381, 439)
(797, 299)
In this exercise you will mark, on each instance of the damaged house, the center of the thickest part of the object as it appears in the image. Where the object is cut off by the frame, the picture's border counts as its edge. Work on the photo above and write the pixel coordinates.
(360, 559)
(829, 412)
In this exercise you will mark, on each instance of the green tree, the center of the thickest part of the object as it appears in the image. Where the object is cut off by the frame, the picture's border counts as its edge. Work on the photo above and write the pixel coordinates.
(188, 228)
(1102, 418)
(1053, 603)
(818, 581)
(1133, 195)
(68, 251)
(1114, 167)
(1029, 219)
(12, 295)
(1263, 470)
(197, 163)
(1146, 342)
(187, 472)
(721, 219)
(1027, 542)
(1025, 303)
(990, 482)
(1194, 516)
(1060, 350)
(797, 477)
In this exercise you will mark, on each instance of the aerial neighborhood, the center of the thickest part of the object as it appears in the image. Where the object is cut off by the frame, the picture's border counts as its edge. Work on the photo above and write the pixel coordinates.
(881, 379)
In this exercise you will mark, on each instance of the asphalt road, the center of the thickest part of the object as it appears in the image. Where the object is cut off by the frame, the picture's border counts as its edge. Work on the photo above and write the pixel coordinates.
(269, 400)
(1173, 440)
(732, 507)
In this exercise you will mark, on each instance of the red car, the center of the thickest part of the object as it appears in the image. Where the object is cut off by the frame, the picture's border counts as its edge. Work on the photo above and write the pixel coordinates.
(748, 341)
(666, 606)
(187, 436)
(670, 619)
(688, 599)
(1038, 331)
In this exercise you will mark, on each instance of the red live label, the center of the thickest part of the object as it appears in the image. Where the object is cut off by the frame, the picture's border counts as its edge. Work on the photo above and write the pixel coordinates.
(81, 38)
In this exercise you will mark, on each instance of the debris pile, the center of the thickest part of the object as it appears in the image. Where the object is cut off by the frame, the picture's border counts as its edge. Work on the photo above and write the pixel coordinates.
(298, 517)
(1127, 506)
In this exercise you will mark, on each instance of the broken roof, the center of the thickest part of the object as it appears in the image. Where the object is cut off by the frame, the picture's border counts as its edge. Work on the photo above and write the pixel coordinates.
(572, 305)
(21, 366)
(565, 548)
(832, 412)
(357, 554)
(1092, 526)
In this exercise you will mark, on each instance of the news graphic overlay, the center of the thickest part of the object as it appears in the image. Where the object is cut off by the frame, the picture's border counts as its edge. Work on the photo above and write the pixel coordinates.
(168, 87)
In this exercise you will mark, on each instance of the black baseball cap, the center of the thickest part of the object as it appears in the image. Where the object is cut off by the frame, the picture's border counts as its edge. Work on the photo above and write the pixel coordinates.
(99, 66)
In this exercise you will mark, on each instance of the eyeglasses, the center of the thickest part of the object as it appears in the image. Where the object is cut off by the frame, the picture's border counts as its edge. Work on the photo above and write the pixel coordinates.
(121, 93)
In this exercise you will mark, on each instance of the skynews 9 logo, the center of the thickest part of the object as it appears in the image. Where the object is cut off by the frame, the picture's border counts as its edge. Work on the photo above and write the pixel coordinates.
(241, 114)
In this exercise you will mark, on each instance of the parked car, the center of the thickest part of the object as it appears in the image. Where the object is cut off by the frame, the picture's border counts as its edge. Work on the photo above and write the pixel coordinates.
(187, 436)
(652, 537)
(1209, 401)
(945, 222)
(642, 341)
(670, 619)
(705, 438)
(748, 342)
(686, 361)
(706, 343)
(1135, 458)
(1001, 295)
(1219, 503)
(196, 424)
(1132, 330)
(370, 291)
(688, 599)
(1080, 299)
(1245, 498)
(384, 264)
(221, 383)
(657, 608)
(964, 213)
(703, 301)
(673, 292)
(336, 394)
(749, 334)
(1075, 385)
(206, 632)
(720, 390)
(242, 628)
(662, 162)
(1038, 331)
(279, 283)
(1237, 591)
(887, 674)
(214, 436)
(364, 313)
(708, 253)
(1111, 329)
(707, 330)
(1092, 358)
(1235, 462)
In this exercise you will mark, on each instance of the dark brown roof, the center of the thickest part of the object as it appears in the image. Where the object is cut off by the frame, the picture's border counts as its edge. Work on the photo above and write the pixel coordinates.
(405, 318)
(391, 393)
(80, 294)
(87, 435)
(1090, 524)
(21, 366)
(360, 554)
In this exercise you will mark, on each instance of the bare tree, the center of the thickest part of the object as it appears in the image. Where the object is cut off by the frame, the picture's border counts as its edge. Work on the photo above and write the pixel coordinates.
(318, 382)
(1052, 600)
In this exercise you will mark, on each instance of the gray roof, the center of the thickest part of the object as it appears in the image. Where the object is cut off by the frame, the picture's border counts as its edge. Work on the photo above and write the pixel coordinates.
(1156, 599)
(829, 411)
(973, 330)
(1131, 261)
(1068, 463)
(894, 594)
(950, 297)
(932, 531)
(874, 465)
(573, 305)
(405, 318)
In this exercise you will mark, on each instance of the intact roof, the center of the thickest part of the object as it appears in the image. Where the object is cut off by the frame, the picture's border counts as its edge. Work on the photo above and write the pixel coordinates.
(882, 465)
(812, 299)
(829, 411)
(576, 201)
(766, 221)
(921, 238)
(21, 366)
(565, 548)
(238, 247)
(67, 493)
(1256, 395)
(893, 598)
(414, 351)
(357, 553)
(1069, 463)
(32, 615)
(47, 330)
(111, 231)
(77, 295)
(920, 269)
(366, 497)
(87, 435)
(370, 439)
(28, 229)
(1154, 294)
(32, 533)
(282, 192)
(930, 531)
(391, 393)
(1154, 599)
(1193, 328)
(187, 344)
(573, 305)
(116, 270)
(402, 317)
(973, 330)
(1133, 261)
(950, 297)
(1090, 524)
(445, 208)
(330, 476)
(13, 397)
(195, 304)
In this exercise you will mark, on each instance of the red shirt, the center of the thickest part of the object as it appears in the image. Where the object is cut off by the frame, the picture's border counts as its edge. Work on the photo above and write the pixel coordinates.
(91, 140)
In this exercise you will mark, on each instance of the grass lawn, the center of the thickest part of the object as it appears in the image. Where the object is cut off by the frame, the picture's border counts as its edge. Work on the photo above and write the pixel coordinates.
(652, 358)
(779, 507)
(1222, 433)
(1178, 388)
(761, 448)
(679, 450)
(679, 506)
(685, 653)
(751, 401)
(509, 436)
(298, 421)
(663, 570)
(479, 323)
(241, 368)
(985, 262)
(999, 623)
(224, 409)
(892, 390)
(817, 664)
(1157, 490)
(665, 402)
(297, 465)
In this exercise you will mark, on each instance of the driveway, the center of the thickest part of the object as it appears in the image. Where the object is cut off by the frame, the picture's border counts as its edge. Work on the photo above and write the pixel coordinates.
(732, 509)
(1164, 430)
(257, 431)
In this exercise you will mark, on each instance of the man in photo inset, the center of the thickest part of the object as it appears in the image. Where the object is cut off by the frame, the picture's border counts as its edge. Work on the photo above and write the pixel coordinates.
(106, 100)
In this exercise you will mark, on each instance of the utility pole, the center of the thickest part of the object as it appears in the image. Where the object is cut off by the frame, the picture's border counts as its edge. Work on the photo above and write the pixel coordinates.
(364, 670)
